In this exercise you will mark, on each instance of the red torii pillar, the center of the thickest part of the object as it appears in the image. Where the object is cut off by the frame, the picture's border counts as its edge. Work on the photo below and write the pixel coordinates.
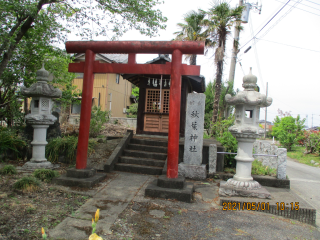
(176, 69)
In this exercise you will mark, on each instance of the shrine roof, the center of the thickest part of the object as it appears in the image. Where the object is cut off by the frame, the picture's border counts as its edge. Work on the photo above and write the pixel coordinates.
(109, 58)
(197, 82)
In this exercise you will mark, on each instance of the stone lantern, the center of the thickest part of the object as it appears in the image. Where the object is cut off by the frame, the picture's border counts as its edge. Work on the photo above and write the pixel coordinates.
(40, 117)
(245, 129)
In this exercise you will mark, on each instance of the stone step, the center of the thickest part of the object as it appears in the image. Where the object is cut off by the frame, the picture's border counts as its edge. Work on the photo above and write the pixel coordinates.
(142, 154)
(147, 148)
(151, 170)
(160, 143)
(141, 161)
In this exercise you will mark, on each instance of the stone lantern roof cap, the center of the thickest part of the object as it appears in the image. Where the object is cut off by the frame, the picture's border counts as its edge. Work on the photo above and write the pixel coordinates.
(249, 81)
(41, 88)
(42, 74)
(249, 96)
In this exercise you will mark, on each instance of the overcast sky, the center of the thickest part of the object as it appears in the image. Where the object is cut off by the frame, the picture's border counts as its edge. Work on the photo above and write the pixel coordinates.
(292, 72)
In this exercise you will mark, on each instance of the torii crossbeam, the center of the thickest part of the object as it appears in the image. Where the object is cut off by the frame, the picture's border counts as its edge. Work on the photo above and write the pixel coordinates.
(176, 69)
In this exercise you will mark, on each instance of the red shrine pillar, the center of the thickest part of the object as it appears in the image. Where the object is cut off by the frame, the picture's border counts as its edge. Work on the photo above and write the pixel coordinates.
(85, 115)
(174, 115)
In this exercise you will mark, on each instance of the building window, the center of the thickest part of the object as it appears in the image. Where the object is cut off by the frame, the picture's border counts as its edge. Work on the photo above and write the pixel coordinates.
(117, 78)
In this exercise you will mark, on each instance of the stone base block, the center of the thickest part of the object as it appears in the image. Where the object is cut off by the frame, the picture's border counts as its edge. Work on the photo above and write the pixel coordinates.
(80, 182)
(232, 191)
(184, 195)
(38, 165)
(81, 173)
(193, 171)
(175, 183)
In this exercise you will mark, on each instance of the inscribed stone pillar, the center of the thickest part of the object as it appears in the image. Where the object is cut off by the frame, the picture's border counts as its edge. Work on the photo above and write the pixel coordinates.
(192, 166)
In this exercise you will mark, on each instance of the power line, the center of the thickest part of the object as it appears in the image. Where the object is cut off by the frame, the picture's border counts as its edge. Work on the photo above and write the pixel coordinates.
(257, 58)
(313, 2)
(304, 9)
(302, 5)
(283, 16)
(289, 45)
(266, 23)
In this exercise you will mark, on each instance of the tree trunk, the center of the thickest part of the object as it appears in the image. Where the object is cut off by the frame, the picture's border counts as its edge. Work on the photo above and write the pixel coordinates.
(217, 91)
(6, 56)
(193, 59)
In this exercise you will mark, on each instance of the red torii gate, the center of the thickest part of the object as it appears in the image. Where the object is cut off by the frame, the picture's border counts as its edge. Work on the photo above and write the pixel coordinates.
(176, 69)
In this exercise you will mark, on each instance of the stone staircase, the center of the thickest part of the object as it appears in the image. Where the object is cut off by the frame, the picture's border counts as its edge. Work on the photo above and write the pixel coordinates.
(143, 155)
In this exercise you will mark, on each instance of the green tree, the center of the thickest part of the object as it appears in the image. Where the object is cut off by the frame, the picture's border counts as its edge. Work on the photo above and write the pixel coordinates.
(30, 28)
(19, 16)
(220, 19)
(192, 30)
(288, 130)
(135, 92)
(210, 93)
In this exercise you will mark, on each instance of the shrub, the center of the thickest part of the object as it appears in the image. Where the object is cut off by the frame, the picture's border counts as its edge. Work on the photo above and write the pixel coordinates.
(220, 131)
(8, 170)
(135, 92)
(231, 145)
(132, 111)
(98, 118)
(45, 174)
(27, 184)
(312, 142)
(66, 146)
(259, 169)
(288, 130)
(9, 140)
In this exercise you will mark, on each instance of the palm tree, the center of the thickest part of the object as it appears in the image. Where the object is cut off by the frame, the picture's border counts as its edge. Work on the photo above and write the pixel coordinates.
(220, 19)
(191, 30)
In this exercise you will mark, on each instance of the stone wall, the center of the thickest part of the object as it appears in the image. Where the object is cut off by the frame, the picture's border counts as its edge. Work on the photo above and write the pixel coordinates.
(131, 122)
(280, 162)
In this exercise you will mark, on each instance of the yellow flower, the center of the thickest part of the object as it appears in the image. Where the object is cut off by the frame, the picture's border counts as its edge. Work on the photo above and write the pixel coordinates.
(95, 237)
(42, 231)
(96, 217)
(92, 221)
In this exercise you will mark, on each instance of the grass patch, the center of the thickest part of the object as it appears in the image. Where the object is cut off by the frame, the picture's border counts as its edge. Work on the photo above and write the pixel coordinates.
(45, 175)
(27, 184)
(9, 140)
(297, 153)
(230, 170)
(8, 170)
(259, 169)
(67, 146)
(206, 136)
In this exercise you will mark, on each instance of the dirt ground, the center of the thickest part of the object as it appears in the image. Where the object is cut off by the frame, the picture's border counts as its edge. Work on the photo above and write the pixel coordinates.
(23, 214)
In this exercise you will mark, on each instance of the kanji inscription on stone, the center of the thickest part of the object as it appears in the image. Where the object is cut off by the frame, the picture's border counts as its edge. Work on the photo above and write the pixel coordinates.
(193, 137)
(194, 129)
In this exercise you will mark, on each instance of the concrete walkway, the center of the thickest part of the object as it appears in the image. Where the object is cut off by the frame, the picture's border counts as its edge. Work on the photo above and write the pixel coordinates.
(126, 214)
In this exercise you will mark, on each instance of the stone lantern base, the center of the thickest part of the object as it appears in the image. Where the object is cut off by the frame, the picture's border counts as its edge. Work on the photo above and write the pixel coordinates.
(242, 183)
(39, 143)
(232, 188)
(38, 165)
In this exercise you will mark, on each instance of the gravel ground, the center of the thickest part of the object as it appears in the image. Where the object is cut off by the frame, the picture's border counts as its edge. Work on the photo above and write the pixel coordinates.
(154, 221)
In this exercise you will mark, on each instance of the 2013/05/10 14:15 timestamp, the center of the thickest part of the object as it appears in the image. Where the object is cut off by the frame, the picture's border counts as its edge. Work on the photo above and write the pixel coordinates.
(256, 206)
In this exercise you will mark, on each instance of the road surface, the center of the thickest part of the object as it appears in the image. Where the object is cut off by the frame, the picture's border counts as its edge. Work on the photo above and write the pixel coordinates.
(305, 181)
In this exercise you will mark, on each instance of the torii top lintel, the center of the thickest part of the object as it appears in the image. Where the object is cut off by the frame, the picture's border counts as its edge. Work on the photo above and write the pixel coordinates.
(132, 48)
